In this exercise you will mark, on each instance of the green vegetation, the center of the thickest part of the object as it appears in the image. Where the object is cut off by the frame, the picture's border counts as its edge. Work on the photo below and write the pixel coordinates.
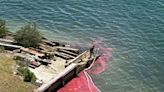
(28, 76)
(8, 81)
(2, 49)
(28, 36)
(23, 71)
(21, 61)
(3, 29)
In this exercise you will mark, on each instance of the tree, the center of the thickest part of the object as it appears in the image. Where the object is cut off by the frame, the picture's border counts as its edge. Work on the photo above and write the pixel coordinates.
(28, 36)
(3, 29)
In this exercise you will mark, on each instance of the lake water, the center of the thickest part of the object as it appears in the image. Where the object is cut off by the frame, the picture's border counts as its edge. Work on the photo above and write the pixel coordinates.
(134, 29)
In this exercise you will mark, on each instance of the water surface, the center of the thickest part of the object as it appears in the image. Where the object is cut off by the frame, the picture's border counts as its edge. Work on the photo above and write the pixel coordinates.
(133, 28)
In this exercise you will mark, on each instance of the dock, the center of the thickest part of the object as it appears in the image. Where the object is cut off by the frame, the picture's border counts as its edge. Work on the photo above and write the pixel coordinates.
(65, 75)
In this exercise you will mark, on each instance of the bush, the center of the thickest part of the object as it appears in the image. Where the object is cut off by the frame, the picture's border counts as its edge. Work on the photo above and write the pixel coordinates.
(18, 58)
(28, 76)
(22, 63)
(28, 36)
(3, 29)
(33, 79)
(2, 49)
(20, 71)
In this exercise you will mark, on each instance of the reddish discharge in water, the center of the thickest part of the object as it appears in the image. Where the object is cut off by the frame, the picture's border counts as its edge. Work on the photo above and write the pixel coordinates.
(100, 64)
(83, 82)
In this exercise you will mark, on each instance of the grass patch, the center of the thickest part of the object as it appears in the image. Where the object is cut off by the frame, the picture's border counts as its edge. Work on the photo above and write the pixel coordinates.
(8, 81)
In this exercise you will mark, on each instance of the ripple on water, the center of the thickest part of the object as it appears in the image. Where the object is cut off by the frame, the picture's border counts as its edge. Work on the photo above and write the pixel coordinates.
(133, 28)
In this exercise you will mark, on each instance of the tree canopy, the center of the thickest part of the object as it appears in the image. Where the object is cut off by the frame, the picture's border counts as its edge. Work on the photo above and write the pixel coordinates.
(3, 29)
(28, 36)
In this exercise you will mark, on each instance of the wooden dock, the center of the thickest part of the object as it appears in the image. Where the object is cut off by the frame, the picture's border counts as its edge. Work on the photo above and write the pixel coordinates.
(67, 74)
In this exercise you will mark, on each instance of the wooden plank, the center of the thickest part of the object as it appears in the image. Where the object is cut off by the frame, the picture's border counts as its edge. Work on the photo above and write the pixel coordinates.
(61, 53)
(32, 66)
(6, 40)
(76, 60)
(42, 60)
(49, 43)
(10, 45)
(62, 56)
(67, 48)
(68, 52)
(32, 52)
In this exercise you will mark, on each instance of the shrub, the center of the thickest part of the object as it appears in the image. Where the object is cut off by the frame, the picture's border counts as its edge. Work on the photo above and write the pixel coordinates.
(28, 36)
(20, 71)
(22, 63)
(2, 49)
(3, 29)
(33, 79)
(28, 76)
(18, 58)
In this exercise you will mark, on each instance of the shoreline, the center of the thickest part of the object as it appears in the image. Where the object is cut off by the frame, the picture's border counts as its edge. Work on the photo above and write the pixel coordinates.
(39, 59)
(35, 54)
